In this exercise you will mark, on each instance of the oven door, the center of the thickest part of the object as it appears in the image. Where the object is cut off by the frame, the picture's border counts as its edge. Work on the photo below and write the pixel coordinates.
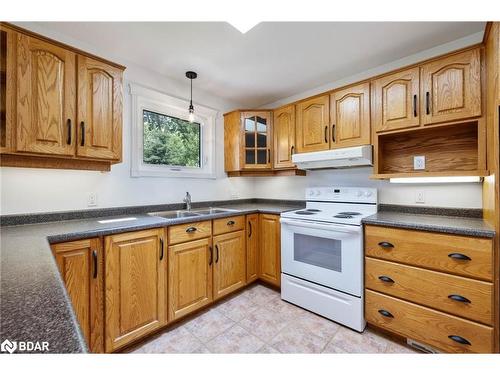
(327, 254)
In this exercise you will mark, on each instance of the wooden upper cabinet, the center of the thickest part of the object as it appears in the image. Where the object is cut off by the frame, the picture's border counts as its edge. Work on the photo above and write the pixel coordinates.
(395, 101)
(284, 137)
(313, 125)
(256, 132)
(189, 277)
(229, 272)
(80, 264)
(350, 116)
(270, 249)
(451, 88)
(46, 97)
(135, 291)
(100, 106)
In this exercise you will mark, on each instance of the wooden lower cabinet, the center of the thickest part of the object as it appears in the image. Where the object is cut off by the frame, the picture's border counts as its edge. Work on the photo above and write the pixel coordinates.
(190, 277)
(443, 331)
(80, 265)
(229, 271)
(270, 249)
(252, 245)
(135, 293)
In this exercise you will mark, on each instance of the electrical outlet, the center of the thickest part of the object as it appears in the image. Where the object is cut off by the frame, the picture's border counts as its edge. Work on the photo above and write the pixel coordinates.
(419, 197)
(234, 195)
(92, 199)
(418, 162)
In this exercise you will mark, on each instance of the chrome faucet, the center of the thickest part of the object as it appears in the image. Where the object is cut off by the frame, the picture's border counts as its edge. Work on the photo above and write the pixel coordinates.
(187, 200)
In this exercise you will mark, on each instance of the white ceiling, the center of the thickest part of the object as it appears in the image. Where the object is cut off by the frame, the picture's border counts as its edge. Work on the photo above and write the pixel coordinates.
(273, 60)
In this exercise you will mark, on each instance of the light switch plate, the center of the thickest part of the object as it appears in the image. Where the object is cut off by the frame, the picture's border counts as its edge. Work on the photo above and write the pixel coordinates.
(419, 162)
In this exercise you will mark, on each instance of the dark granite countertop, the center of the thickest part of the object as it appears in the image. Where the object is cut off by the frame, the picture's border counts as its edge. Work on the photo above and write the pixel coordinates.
(469, 226)
(35, 305)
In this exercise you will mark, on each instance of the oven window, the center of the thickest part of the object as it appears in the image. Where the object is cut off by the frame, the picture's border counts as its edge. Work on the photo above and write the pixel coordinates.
(318, 251)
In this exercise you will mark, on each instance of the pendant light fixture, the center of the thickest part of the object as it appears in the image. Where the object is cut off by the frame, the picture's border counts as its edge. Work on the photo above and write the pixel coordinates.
(191, 76)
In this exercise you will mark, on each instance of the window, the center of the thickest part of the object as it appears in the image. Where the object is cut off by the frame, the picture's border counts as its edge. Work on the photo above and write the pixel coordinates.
(164, 142)
(171, 141)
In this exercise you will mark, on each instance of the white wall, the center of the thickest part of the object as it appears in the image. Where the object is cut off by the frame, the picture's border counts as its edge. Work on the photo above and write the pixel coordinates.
(26, 190)
(443, 195)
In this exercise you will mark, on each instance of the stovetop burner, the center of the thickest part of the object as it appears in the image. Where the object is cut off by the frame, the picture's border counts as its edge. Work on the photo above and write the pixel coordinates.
(349, 213)
(343, 216)
(306, 212)
(312, 210)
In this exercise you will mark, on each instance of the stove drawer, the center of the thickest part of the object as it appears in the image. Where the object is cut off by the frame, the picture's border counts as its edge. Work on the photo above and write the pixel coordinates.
(443, 331)
(457, 295)
(460, 255)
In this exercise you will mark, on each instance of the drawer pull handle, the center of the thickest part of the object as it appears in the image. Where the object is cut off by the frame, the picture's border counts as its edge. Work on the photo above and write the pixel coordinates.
(386, 279)
(459, 339)
(191, 229)
(386, 313)
(231, 222)
(459, 256)
(458, 298)
(386, 245)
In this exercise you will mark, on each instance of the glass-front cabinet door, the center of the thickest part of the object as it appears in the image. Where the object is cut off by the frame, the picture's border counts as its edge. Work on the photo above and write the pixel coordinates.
(257, 140)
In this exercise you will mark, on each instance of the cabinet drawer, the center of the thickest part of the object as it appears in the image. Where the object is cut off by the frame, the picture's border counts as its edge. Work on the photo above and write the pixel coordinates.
(433, 289)
(427, 325)
(188, 232)
(460, 255)
(229, 224)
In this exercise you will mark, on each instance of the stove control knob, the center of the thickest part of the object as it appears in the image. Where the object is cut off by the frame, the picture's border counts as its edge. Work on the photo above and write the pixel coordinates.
(311, 192)
(359, 193)
(368, 194)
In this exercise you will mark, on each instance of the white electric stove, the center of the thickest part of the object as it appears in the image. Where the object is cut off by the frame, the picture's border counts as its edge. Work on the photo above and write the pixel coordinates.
(322, 253)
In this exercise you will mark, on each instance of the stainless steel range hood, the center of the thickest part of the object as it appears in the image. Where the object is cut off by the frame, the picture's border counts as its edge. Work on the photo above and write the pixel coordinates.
(338, 158)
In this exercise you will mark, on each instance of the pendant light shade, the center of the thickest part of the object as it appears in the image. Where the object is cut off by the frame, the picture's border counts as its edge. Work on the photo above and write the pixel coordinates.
(191, 76)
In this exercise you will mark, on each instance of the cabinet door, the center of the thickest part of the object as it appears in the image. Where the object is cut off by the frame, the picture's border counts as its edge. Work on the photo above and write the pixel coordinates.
(350, 116)
(284, 137)
(451, 88)
(190, 277)
(257, 140)
(229, 263)
(99, 110)
(270, 249)
(135, 286)
(252, 240)
(313, 125)
(46, 98)
(80, 264)
(395, 101)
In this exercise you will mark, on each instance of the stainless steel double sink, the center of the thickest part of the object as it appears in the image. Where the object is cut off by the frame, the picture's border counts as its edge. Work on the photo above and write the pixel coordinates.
(191, 213)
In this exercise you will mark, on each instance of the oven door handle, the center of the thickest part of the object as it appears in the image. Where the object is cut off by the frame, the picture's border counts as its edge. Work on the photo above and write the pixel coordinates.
(324, 226)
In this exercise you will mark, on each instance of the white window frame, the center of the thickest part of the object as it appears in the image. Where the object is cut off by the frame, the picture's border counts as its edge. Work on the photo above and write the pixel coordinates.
(144, 98)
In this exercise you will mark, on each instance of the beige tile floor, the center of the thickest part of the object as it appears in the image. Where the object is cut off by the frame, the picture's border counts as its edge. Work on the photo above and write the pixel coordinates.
(258, 321)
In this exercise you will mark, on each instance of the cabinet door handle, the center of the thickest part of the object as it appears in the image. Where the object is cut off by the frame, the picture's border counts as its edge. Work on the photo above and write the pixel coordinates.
(459, 256)
(211, 256)
(250, 229)
(292, 150)
(415, 105)
(82, 130)
(386, 313)
(191, 229)
(216, 253)
(94, 259)
(458, 298)
(68, 125)
(326, 134)
(231, 222)
(459, 339)
(386, 279)
(386, 245)
(268, 155)
(333, 133)
(161, 248)
(427, 103)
